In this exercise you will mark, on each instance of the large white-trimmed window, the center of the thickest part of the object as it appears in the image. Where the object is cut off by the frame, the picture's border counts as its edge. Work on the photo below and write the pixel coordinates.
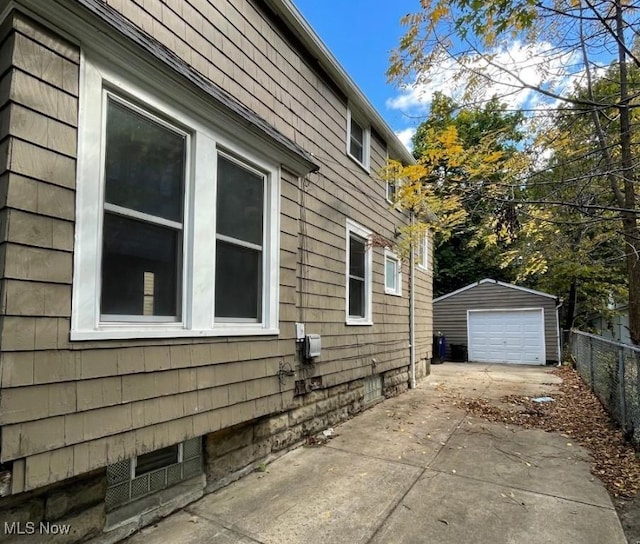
(392, 274)
(358, 275)
(358, 140)
(177, 225)
(422, 252)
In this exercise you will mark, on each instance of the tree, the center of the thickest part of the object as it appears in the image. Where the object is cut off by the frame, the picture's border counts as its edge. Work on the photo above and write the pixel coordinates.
(465, 257)
(559, 44)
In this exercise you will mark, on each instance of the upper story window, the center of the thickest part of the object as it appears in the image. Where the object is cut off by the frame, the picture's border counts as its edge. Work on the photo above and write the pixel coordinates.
(358, 140)
(177, 227)
(392, 274)
(359, 263)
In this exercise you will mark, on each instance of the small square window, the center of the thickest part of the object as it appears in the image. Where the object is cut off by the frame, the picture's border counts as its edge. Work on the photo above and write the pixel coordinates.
(358, 140)
(392, 274)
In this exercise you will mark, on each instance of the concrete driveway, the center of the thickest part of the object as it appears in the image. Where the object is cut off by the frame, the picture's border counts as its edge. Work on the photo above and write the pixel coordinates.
(416, 468)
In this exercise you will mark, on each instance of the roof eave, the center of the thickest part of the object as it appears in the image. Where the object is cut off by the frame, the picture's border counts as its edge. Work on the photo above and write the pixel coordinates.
(297, 23)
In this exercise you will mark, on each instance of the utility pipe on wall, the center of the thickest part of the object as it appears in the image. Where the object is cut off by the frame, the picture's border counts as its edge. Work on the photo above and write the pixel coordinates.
(412, 311)
(560, 301)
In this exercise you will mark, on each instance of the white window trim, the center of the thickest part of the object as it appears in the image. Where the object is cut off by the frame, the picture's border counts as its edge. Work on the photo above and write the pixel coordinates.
(366, 144)
(390, 255)
(198, 286)
(424, 265)
(354, 228)
(388, 185)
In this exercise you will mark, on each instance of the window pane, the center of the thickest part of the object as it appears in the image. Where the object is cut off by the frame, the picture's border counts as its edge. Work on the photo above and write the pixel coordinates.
(139, 268)
(156, 459)
(238, 281)
(391, 191)
(422, 246)
(356, 297)
(145, 164)
(390, 274)
(240, 202)
(356, 144)
(356, 151)
(356, 257)
(357, 134)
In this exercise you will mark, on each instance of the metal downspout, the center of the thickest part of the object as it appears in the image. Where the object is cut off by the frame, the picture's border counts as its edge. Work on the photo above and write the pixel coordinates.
(412, 312)
(559, 331)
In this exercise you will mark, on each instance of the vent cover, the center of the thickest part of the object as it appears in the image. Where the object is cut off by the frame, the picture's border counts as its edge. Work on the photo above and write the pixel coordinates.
(127, 480)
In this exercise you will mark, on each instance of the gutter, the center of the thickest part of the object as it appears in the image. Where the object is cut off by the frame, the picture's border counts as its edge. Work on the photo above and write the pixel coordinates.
(316, 47)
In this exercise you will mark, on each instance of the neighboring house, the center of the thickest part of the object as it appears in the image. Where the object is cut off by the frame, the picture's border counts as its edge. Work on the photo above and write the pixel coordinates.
(495, 322)
(189, 195)
(614, 327)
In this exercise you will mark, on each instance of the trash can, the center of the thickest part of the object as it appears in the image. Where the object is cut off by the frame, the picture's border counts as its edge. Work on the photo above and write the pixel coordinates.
(439, 349)
(458, 353)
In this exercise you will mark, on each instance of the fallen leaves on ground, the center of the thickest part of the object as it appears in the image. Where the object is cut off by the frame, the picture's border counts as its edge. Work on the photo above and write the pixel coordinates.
(577, 414)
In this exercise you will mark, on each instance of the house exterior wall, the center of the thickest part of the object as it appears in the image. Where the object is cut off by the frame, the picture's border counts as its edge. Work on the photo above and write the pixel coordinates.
(450, 314)
(70, 408)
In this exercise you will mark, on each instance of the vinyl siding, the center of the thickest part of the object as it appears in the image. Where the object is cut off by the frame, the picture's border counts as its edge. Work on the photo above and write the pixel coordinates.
(450, 314)
(69, 407)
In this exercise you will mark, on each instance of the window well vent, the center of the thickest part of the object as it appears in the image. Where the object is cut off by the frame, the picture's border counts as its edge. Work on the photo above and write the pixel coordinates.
(132, 479)
(373, 389)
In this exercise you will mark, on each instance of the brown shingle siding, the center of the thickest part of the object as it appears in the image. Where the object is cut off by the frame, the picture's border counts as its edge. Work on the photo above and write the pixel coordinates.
(108, 400)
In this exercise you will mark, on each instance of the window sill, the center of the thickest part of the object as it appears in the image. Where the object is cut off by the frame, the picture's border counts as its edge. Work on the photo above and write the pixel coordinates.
(423, 268)
(121, 333)
(363, 166)
(363, 322)
(393, 293)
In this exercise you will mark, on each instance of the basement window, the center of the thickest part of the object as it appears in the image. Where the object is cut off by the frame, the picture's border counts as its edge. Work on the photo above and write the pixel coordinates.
(158, 459)
(133, 479)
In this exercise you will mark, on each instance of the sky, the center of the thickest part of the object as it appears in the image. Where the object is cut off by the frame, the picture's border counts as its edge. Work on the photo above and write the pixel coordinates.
(361, 35)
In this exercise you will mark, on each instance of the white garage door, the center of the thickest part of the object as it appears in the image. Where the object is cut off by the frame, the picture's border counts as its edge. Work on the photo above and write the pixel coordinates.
(506, 336)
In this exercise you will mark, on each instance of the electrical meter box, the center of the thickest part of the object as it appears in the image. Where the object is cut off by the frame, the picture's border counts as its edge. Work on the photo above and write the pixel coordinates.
(312, 346)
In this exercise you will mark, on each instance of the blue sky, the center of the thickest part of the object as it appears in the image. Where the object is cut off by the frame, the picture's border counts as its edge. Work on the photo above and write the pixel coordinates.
(361, 34)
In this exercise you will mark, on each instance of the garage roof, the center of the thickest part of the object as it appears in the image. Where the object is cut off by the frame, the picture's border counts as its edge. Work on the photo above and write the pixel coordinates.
(496, 282)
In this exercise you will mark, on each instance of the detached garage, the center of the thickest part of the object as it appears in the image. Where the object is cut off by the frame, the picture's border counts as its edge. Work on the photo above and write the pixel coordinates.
(496, 322)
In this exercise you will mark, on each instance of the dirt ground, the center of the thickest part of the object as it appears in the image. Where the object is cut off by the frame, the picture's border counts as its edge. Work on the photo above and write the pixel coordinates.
(629, 513)
(576, 413)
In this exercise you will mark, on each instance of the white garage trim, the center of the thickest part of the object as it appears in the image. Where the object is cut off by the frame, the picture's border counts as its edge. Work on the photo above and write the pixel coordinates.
(501, 345)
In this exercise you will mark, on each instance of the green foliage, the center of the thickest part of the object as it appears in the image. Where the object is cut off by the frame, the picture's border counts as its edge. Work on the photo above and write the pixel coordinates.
(555, 206)
(487, 136)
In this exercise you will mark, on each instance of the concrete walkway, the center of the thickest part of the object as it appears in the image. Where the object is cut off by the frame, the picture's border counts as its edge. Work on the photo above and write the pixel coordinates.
(416, 468)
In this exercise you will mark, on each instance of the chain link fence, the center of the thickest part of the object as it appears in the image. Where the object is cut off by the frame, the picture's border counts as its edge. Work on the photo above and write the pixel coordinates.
(612, 369)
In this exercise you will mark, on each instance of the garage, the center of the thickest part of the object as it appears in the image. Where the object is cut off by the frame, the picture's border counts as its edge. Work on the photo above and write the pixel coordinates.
(513, 336)
(496, 322)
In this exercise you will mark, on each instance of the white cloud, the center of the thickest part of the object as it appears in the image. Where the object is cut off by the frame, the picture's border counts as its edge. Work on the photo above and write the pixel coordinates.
(509, 72)
(405, 136)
